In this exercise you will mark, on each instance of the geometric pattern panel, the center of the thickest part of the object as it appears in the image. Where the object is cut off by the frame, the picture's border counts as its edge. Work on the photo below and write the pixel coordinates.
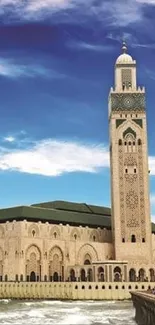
(128, 101)
(126, 77)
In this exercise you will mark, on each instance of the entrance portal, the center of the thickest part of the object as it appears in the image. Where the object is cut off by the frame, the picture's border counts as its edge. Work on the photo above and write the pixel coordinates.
(55, 277)
(32, 277)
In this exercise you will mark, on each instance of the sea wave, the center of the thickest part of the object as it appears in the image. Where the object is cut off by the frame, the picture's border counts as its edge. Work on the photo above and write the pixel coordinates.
(5, 301)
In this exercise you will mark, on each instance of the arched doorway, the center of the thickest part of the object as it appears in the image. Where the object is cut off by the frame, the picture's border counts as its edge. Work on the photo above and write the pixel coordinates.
(56, 263)
(132, 275)
(90, 275)
(141, 275)
(55, 277)
(33, 263)
(100, 274)
(152, 277)
(32, 276)
(83, 275)
(72, 275)
(117, 274)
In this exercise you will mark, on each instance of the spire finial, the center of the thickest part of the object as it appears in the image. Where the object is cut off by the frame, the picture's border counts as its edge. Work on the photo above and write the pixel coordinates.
(124, 47)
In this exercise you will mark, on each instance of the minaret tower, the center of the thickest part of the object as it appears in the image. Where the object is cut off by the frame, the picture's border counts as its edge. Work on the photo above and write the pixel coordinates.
(131, 224)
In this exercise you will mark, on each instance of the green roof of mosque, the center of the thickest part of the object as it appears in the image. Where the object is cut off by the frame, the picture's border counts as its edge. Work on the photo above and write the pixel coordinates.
(61, 212)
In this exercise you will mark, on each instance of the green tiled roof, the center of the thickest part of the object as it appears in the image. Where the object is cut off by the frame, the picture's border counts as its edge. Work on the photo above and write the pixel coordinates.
(38, 213)
(75, 207)
(62, 212)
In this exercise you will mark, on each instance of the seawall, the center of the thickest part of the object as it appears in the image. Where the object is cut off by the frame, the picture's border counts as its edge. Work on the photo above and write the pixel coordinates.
(71, 290)
(144, 304)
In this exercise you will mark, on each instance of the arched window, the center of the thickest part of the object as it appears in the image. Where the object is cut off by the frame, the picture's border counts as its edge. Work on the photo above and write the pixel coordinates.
(143, 240)
(87, 259)
(21, 277)
(152, 275)
(82, 275)
(129, 143)
(120, 142)
(100, 274)
(132, 275)
(75, 236)
(55, 277)
(55, 235)
(123, 240)
(139, 142)
(117, 274)
(125, 143)
(33, 232)
(133, 239)
(141, 275)
(86, 262)
(16, 277)
(94, 238)
(90, 275)
(72, 275)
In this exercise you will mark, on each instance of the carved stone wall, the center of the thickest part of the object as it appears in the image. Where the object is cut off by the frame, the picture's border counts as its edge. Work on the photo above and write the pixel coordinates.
(132, 207)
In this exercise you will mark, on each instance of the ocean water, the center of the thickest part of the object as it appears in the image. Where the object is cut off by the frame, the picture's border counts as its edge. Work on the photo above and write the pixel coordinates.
(66, 312)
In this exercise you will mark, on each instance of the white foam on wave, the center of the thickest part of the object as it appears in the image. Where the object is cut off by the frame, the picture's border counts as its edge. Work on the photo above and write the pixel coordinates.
(29, 303)
(10, 315)
(75, 319)
(69, 310)
(54, 302)
(35, 313)
(5, 301)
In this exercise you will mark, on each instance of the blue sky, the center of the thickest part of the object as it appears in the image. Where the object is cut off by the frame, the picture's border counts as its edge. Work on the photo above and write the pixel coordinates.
(56, 68)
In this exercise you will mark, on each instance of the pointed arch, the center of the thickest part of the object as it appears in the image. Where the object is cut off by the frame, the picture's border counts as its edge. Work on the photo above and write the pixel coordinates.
(56, 259)
(94, 236)
(86, 249)
(141, 275)
(33, 230)
(75, 234)
(132, 275)
(129, 130)
(55, 250)
(55, 232)
(33, 263)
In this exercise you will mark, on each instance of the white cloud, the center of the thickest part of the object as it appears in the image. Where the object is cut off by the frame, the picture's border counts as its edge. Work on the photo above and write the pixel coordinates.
(119, 12)
(80, 45)
(35, 5)
(53, 158)
(12, 69)
(148, 2)
(152, 165)
(9, 139)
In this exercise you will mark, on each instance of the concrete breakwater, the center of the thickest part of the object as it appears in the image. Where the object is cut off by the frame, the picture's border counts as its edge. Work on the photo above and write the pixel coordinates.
(144, 304)
(71, 290)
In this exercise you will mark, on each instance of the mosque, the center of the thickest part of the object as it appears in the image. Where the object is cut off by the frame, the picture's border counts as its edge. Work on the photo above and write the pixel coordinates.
(64, 241)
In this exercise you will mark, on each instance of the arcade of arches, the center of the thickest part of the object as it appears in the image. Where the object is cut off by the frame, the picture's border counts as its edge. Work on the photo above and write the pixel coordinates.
(51, 267)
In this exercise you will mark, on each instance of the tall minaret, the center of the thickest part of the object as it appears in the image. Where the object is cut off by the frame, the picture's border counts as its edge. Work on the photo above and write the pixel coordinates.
(131, 224)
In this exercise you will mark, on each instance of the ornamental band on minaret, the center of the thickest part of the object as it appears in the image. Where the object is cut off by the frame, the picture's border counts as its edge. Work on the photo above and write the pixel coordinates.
(131, 224)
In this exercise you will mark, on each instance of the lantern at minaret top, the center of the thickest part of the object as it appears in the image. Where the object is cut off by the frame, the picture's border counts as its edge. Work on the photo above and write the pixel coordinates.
(125, 71)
